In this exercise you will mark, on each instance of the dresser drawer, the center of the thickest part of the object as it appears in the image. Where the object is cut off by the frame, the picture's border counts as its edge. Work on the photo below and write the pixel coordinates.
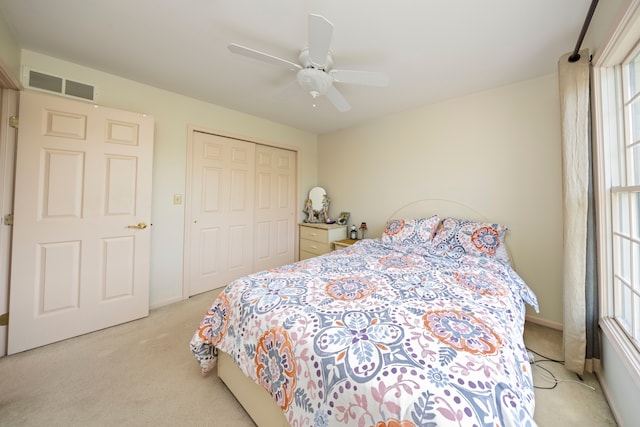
(316, 239)
(306, 255)
(317, 248)
(315, 234)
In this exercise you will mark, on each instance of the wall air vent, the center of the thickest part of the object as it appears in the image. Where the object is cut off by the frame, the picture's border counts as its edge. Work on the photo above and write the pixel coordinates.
(54, 84)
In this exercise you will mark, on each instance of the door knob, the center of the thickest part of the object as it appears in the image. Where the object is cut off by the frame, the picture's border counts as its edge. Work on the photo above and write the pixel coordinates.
(140, 225)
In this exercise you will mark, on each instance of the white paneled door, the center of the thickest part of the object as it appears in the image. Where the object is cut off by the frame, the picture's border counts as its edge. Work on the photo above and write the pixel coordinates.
(241, 211)
(221, 211)
(274, 207)
(81, 237)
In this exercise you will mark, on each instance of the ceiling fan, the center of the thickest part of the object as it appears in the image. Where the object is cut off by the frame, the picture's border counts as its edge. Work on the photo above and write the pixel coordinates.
(315, 74)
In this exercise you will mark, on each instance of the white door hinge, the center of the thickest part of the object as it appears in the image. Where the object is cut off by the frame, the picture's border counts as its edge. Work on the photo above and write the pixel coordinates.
(14, 122)
(8, 219)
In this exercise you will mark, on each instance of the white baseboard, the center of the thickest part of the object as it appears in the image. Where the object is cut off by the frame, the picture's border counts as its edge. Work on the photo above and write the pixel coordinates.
(544, 322)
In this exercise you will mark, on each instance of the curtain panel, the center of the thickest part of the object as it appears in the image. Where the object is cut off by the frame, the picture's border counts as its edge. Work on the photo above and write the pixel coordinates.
(579, 285)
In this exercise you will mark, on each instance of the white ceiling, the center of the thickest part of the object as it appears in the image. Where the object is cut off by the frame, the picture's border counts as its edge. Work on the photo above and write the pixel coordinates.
(431, 49)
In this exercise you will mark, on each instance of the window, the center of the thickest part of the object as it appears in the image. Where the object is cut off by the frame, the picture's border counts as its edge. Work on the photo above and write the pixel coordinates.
(617, 106)
(624, 173)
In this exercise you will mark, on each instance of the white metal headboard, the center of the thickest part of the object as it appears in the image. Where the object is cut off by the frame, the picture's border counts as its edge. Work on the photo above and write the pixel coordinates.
(442, 207)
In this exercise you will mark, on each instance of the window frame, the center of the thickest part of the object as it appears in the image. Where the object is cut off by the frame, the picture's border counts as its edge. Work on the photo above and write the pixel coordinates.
(609, 127)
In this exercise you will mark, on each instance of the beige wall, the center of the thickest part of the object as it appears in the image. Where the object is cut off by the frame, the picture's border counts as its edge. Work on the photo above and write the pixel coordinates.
(497, 151)
(9, 51)
(173, 114)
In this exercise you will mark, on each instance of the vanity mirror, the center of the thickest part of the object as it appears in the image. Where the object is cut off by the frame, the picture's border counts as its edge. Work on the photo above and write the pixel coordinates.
(317, 206)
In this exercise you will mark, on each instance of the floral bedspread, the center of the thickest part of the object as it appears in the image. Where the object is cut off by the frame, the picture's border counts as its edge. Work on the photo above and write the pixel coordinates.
(377, 335)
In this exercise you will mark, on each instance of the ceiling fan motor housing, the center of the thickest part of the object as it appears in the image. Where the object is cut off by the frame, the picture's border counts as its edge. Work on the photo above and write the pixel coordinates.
(313, 78)
(315, 82)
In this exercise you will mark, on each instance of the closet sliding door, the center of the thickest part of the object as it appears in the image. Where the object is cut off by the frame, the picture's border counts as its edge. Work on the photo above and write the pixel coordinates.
(220, 202)
(274, 223)
(240, 210)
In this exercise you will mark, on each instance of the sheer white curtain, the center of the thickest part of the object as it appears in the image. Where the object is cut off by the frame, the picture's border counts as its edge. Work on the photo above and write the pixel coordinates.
(580, 311)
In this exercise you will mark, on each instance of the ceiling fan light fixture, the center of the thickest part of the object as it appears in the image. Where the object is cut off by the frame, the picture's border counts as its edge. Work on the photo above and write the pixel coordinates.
(315, 82)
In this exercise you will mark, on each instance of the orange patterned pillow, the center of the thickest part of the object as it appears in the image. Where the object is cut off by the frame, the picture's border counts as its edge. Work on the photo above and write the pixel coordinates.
(456, 237)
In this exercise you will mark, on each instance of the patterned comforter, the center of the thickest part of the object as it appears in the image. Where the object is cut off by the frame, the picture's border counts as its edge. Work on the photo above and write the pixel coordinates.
(380, 335)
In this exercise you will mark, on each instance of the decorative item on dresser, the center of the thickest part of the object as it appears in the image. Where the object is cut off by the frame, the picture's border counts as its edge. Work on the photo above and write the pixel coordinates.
(316, 239)
(343, 219)
(317, 206)
(363, 229)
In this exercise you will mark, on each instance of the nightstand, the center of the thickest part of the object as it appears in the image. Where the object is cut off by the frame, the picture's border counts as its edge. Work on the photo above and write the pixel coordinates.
(317, 238)
(341, 244)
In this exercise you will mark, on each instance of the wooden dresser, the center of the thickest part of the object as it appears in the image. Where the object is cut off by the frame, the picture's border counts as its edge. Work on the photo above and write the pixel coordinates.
(316, 239)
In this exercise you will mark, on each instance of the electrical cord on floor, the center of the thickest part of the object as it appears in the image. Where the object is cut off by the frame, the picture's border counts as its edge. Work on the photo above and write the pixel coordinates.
(545, 358)
(547, 375)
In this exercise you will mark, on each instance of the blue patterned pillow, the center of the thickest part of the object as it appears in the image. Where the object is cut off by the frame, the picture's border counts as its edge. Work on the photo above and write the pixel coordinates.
(414, 232)
(457, 237)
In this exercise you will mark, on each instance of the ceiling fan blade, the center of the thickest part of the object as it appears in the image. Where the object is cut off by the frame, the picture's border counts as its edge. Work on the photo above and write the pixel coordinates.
(320, 34)
(261, 56)
(367, 78)
(339, 101)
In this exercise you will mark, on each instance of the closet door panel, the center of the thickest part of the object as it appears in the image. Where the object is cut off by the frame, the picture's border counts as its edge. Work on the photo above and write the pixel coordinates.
(275, 212)
(240, 210)
(221, 212)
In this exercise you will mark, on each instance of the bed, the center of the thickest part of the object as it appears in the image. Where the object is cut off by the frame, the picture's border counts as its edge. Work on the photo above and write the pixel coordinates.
(421, 327)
